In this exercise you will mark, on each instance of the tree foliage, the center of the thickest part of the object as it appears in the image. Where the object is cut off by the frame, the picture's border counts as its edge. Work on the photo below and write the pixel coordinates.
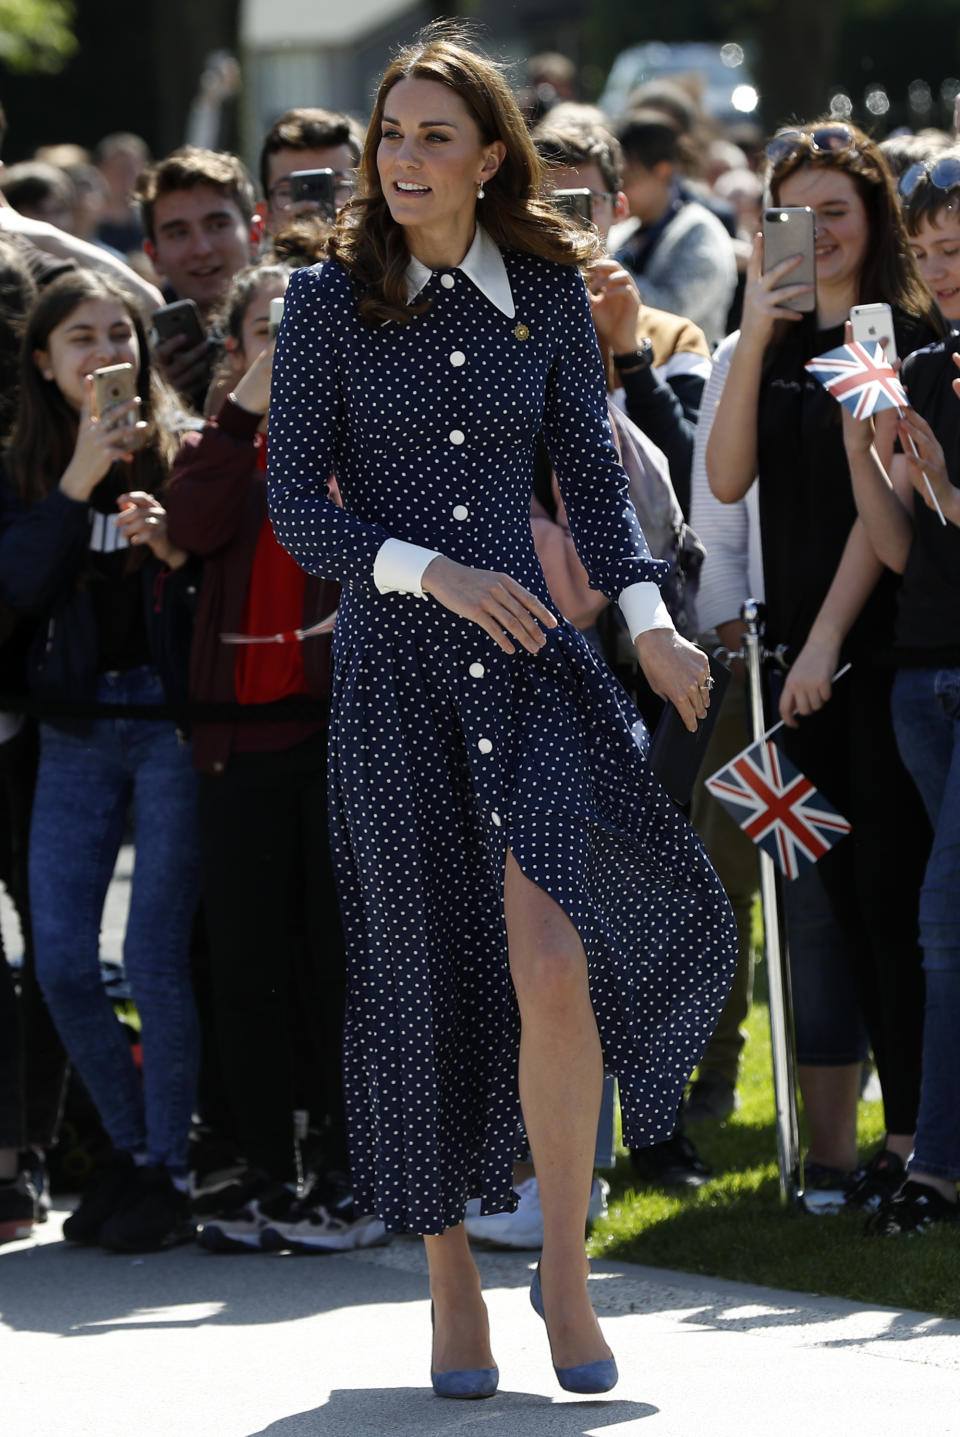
(36, 35)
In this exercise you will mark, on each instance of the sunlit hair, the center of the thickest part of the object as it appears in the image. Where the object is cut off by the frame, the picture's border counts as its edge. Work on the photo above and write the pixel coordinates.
(189, 167)
(45, 433)
(244, 287)
(372, 246)
(927, 200)
(889, 273)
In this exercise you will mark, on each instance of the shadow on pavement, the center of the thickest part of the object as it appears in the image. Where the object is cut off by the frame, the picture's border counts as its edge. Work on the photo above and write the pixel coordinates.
(396, 1410)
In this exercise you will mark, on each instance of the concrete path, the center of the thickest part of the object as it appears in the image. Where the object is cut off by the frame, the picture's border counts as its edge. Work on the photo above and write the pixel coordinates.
(186, 1343)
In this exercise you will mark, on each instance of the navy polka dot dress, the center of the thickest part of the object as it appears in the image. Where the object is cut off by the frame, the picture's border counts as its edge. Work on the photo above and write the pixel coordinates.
(444, 749)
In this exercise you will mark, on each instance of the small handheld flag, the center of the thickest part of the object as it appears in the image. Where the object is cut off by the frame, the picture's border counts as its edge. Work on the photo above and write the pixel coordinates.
(861, 381)
(777, 807)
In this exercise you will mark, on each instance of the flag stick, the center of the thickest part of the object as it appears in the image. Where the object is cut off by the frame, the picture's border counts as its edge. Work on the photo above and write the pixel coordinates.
(936, 501)
(777, 959)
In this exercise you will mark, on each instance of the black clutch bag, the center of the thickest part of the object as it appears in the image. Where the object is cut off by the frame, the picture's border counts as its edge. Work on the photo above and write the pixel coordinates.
(675, 753)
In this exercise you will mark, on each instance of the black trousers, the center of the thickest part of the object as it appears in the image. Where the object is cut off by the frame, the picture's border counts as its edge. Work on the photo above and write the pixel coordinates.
(873, 876)
(33, 1064)
(276, 947)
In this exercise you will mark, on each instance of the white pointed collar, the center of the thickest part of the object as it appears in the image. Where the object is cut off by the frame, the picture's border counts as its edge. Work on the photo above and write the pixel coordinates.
(484, 267)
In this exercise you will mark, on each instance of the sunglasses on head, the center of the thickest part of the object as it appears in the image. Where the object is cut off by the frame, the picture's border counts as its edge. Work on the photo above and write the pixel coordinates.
(943, 175)
(820, 140)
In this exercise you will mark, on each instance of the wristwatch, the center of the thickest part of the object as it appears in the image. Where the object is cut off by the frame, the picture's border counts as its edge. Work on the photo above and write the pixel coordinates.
(639, 358)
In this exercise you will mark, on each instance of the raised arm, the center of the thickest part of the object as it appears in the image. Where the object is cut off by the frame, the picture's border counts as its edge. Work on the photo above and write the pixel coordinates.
(732, 449)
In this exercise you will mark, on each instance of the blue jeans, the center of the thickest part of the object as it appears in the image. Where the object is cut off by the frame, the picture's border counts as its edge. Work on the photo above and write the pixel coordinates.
(85, 784)
(926, 717)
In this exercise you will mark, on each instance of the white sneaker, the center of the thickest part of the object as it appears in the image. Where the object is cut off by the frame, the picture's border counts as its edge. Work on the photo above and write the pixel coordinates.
(524, 1228)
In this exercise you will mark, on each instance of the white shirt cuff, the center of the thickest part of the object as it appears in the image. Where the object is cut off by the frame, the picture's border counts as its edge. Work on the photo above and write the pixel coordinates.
(643, 609)
(398, 567)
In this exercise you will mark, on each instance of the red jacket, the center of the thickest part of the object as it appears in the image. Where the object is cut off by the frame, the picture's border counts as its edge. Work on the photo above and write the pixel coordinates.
(216, 502)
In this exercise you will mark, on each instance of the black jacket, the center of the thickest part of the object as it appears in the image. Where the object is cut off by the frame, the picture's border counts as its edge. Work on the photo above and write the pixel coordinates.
(43, 553)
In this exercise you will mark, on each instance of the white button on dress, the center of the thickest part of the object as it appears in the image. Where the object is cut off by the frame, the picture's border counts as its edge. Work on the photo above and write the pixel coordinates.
(448, 281)
(461, 512)
(477, 671)
(496, 820)
(484, 745)
(457, 436)
(457, 358)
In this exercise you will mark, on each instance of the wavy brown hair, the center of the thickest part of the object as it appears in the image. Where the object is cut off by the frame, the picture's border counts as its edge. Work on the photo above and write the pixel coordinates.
(45, 433)
(889, 270)
(371, 245)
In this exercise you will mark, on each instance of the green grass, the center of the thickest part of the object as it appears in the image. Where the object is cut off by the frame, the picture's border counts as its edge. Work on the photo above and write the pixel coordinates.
(735, 1227)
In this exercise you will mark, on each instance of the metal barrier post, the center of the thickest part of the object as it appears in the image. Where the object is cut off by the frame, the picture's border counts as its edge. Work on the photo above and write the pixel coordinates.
(775, 952)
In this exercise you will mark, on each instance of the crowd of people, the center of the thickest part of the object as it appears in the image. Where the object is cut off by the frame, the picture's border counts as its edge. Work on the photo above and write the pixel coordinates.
(165, 670)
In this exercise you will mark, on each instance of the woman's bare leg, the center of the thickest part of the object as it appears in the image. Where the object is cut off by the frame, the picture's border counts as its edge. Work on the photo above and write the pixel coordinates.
(561, 1080)
(462, 1335)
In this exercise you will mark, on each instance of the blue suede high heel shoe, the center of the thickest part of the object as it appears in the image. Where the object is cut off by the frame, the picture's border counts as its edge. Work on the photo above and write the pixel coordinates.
(585, 1377)
(464, 1382)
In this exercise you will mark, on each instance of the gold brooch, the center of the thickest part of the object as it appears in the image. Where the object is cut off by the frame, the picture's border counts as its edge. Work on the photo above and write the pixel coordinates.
(521, 332)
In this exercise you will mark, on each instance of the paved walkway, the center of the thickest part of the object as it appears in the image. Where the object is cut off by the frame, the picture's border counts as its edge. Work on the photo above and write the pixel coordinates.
(186, 1344)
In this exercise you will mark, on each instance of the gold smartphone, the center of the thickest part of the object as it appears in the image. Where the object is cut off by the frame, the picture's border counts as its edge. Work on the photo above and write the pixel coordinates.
(112, 385)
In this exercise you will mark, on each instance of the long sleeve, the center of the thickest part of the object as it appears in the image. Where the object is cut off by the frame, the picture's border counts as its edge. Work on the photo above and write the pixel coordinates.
(210, 481)
(595, 489)
(41, 550)
(306, 411)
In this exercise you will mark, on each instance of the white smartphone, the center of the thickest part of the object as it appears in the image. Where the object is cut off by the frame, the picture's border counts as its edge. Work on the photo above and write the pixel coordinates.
(873, 324)
(276, 314)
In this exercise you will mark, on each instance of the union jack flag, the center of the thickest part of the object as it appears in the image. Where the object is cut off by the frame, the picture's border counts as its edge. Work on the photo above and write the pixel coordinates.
(777, 807)
(862, 381)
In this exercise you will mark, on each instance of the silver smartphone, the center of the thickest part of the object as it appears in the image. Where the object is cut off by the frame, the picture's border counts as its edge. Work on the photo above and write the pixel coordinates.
(789, 230)
(276, 314)
(873, 324)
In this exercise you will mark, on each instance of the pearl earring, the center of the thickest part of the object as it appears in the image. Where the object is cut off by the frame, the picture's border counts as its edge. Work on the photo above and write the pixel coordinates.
(480, 191)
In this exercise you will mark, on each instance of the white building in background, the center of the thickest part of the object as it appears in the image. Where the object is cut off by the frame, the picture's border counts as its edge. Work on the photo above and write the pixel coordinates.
(316, 52)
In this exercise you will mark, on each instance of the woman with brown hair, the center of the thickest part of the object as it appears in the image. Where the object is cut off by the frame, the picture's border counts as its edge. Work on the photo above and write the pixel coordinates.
(520, 898)
(852, 919)
(79, 518)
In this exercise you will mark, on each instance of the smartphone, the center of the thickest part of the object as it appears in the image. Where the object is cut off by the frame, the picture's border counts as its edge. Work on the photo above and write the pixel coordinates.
(576, 204)
(786, 232)
(276, 314)
(873, 324)
(180, 318)
(314, 187)
(112, 385)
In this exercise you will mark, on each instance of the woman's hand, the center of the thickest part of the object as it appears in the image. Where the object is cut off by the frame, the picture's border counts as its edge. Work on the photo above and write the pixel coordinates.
(677, 671)
(616, 304)
(763, 305)
(810, 680)
(253, 391)
(925, 461)
(142, 520)
(496, 602)
(101, 441)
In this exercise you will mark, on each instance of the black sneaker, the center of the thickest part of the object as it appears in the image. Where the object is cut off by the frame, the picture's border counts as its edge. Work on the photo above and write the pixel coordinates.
(241, 1222)
(18, 1208)
(673, 1164)
(915, 1208)
(325, 1220)
(218, 1173)
(825, 1189)
(156, 1216)
(106, 1194)
(882, 1177)
(711, 1097)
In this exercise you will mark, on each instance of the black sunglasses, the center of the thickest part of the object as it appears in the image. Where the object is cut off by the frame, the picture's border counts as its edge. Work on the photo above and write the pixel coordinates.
(822, 139)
